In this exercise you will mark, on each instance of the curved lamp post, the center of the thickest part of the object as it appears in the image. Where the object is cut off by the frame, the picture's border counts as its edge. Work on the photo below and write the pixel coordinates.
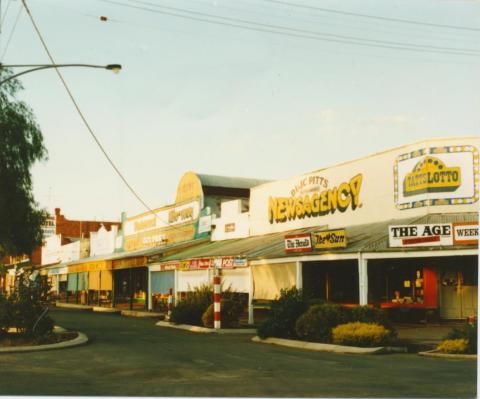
(111, 67)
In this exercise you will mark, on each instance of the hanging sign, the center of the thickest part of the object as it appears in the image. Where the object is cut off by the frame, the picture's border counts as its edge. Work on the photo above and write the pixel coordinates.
(227, 263)
(169, 266)
(465, 233)
(240, 262)
(330, 239)
(418, 235)
(298, 243)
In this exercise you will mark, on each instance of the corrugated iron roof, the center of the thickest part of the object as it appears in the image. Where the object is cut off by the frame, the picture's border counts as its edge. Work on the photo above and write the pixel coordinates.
(371, 237)
(229, 182)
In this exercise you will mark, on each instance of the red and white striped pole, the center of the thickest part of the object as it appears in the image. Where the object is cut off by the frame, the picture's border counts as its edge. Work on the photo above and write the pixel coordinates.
(170, 302)
(216, 300)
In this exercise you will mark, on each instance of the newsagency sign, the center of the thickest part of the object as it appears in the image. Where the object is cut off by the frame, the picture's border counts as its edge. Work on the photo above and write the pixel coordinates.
(436, 176)
(420, 235)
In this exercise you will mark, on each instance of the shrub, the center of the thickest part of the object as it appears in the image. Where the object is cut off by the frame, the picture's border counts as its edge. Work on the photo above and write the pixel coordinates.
(459, 345)
(467, 332)
(317, 322)
(28, 313)
(230, 313)
(366, 314)
(360, 334)
(6, 315)
(192, 307)
(284, 313)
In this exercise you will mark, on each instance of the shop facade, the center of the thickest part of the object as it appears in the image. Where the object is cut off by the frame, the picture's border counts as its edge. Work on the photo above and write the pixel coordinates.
(397, 230)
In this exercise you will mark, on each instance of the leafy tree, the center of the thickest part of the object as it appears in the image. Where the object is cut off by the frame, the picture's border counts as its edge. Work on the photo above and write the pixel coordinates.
(21, 146)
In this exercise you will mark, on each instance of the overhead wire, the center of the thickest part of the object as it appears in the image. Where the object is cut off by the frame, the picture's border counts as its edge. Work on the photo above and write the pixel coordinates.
(85, 122)
(14, 27)
(293, 32)
(299, 30)
(405, 21)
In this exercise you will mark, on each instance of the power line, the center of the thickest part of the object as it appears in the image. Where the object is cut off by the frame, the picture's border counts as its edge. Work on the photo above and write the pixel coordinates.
(12, 32)
(260, 27)
(87, 125)
(405, 21)
(303, 30)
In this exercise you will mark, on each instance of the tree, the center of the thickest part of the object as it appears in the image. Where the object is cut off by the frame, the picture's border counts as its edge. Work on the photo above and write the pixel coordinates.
(21, 145)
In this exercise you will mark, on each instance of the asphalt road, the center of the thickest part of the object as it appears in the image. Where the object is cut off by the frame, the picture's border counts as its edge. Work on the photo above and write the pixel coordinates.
(133, 357)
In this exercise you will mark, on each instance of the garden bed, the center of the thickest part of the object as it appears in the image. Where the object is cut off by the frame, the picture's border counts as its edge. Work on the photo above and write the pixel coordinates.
(440, 354)
(321, 347)
(199, 329)
(15, 339)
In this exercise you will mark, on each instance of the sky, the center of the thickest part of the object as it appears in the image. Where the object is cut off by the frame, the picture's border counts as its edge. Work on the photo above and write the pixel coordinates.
(235, 100)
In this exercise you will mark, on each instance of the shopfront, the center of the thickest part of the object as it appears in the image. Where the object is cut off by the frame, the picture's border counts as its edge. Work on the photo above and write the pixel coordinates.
(57, 280)
(130, 283)
(414, 212)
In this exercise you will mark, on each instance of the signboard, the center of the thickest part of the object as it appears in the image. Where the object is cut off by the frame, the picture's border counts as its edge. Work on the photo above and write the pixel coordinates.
(169, 266)
(465, 233)
(315, 201)
(330, 239)
(229, 227)
(418, 235)
(162, 218)
(240, 262)
(298, 243)
(436, 176)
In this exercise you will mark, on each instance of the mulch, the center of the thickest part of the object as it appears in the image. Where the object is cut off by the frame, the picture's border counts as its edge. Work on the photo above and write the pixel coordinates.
(16, 339)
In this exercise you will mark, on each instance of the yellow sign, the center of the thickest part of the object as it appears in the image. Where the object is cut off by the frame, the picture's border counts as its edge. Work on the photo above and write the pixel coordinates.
(281, 209)
(431, 176)
(330, 239)
(189, 188)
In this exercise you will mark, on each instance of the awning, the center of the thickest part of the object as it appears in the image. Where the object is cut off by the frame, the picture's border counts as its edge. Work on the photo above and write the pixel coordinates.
(362, 238)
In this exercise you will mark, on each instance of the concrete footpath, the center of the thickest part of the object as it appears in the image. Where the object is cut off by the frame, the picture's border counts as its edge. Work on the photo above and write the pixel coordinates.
(424, 334)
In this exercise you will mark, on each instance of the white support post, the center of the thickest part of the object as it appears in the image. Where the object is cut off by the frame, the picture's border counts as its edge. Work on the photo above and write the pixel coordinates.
(149, 291)
(299, 273)
(175, 291)
(362, 280)
(250, 296)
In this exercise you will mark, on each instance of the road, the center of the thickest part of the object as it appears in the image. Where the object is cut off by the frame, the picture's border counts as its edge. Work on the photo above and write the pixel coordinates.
(133, 357)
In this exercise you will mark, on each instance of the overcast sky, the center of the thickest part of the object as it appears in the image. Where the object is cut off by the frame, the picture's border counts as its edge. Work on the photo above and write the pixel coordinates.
(239, 100)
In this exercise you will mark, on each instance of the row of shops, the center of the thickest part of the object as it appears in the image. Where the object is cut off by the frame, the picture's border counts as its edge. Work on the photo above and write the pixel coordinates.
(397, 230)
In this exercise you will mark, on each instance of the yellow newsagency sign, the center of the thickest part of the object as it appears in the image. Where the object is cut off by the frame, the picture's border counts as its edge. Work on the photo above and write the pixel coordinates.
(330, 239)
(431, 175)
(281, 209)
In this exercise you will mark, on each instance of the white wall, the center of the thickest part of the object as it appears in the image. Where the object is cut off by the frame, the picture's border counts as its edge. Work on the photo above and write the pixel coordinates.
(377, 199)
(54, 252)
(232, 223)
(102, 242)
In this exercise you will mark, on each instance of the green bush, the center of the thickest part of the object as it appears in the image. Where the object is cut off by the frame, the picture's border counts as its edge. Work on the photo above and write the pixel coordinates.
(317, 322)
(230, 312)
(360, 334)
(284, 313)
(366, 314)
(191, 308)
(467, 332)
(29, 315)
(6, 315)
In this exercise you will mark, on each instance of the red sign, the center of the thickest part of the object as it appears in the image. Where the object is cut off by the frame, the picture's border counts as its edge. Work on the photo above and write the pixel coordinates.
(298, 243)
(204, 263)
(227, 263)
(169, 266)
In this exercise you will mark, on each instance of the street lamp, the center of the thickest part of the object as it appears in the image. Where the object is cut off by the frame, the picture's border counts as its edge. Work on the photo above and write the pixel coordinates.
(36, 67)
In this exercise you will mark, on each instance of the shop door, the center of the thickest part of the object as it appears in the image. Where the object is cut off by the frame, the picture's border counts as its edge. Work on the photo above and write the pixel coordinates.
(458, 301)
